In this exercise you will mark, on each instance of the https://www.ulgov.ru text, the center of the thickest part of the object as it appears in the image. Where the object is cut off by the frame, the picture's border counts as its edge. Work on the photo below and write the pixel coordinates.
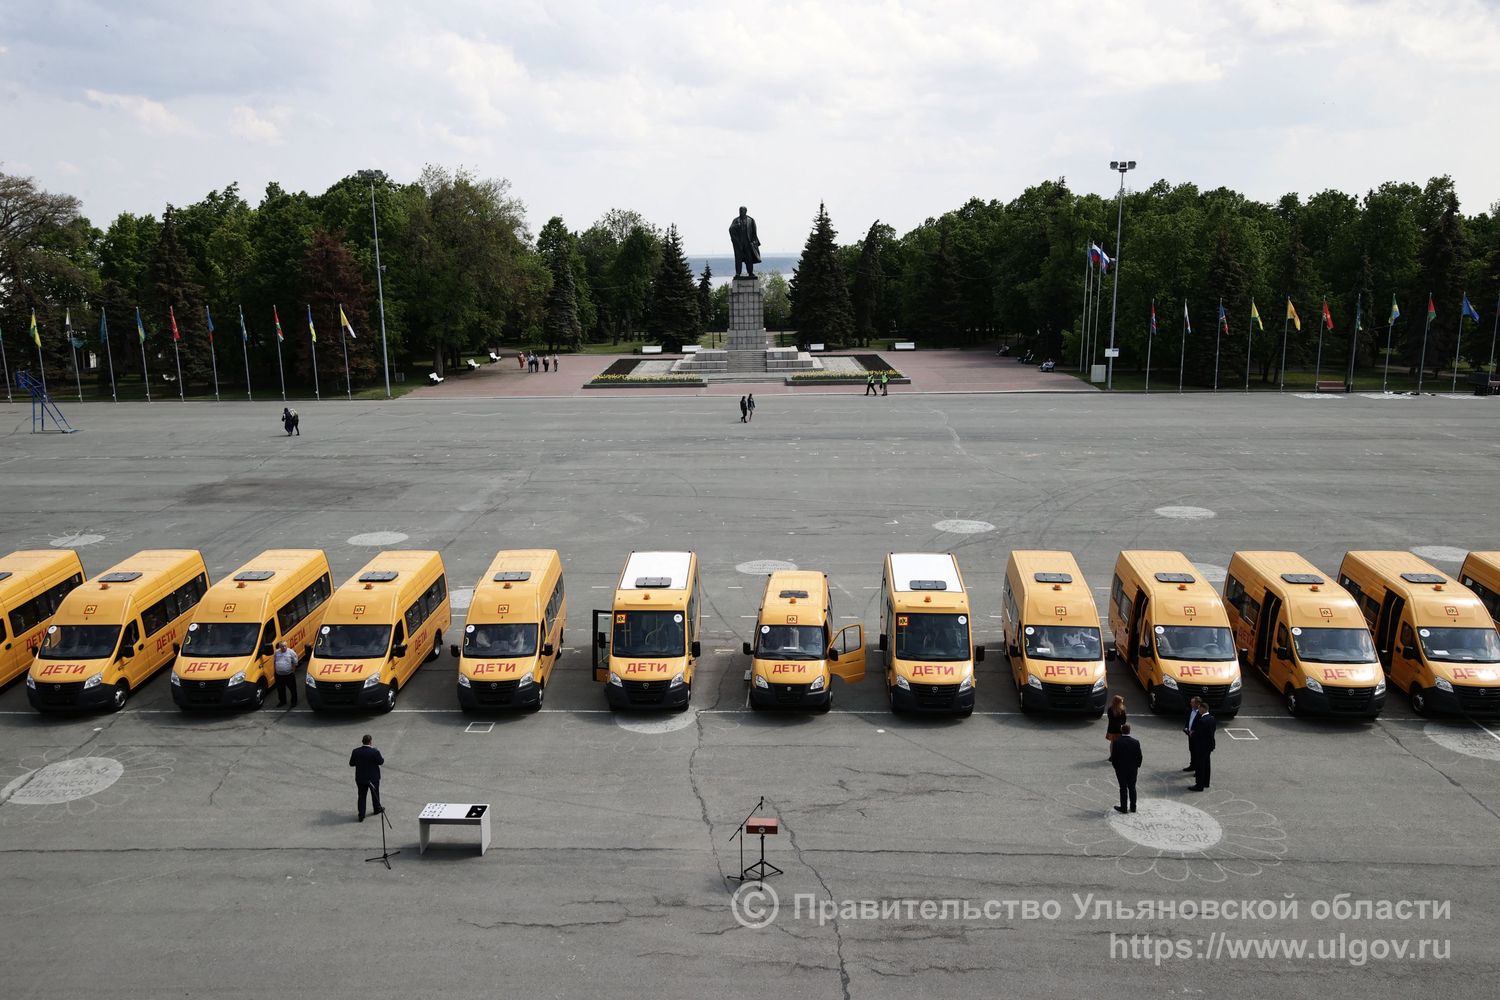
(1342, 948)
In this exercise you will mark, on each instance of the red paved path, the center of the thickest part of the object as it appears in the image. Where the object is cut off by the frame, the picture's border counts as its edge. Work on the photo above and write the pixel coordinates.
(929, 371)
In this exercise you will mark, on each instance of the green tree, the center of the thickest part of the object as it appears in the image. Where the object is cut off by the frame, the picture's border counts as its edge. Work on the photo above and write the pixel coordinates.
(628, 285)
(776, 299)
(175, 293)
(332, 278)
(45, 268)
(867, 297)
(705, 298)
(820, 306)
(673, 314)
(1444, 263)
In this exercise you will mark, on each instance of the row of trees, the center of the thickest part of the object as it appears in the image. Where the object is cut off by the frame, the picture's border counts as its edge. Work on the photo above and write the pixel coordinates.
(463, 272)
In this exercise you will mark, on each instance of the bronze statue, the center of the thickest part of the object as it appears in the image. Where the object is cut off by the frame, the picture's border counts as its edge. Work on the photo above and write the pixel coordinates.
(746, 243)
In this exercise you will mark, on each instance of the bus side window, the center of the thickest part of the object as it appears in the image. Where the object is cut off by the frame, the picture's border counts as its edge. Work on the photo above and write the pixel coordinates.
(132, 637)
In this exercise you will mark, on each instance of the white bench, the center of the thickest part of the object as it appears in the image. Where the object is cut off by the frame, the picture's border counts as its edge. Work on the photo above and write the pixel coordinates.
(905, 345)
(815, 347)
(453, 814)
(690, 348)
(651, 349)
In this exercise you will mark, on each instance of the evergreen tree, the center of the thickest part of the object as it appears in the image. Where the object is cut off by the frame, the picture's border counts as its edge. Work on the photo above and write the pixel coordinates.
(940, 305)
(174, 291)
(562, 328)
(672, 317)
(1227, 283)
(332, 277)
(1444, 261)
(821, 310)
(705, 297)
(868, 294)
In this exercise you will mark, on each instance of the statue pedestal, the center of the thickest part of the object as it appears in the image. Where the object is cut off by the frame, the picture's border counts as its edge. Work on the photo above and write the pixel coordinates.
(747, 315)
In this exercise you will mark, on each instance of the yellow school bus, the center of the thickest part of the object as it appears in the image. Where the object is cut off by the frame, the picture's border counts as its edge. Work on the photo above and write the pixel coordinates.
(116, 630)
(926, 634)
(1050, 626)
(514, 633)
(1303, 634)
(226, 658)
(1481, 574)
(32, 586)
(1170, 630)
(1434, 636)
(379, 627)
(796, 652)
(650, 639)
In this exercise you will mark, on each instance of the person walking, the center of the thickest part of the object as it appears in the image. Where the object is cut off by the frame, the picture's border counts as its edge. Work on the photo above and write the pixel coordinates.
(1126, 757)
(546, 363)
(750, 407)
(1193, 705)
(1201, 742)
(870, 385)
(285, 664)
(366, 761)
(555, 366)
(744, 410)
(1114, 718)
(291, 421)
(521, 361)
(885, 382)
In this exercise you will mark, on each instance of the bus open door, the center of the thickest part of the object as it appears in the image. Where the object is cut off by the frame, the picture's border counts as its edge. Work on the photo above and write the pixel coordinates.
(599, 656)
(848, 649)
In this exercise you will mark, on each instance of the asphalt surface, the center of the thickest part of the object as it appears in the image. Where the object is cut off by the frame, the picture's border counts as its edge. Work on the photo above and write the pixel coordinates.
(225, 860)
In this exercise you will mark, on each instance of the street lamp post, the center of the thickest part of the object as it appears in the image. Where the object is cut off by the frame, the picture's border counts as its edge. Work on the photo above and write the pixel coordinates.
(1122, 166)
(371, 176)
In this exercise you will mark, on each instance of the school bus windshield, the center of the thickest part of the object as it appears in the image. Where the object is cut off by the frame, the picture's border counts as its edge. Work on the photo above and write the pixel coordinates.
(1461, 645)
(649, 633)
(1334, 645)
(221, 639)
(1194, 642)
(500, 640)
(932, 637)
(79, 642)
(1063, 642)
(791, 642)
(354, 642)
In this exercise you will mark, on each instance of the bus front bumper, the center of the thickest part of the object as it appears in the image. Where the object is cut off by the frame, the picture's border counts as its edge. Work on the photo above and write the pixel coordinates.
(934, 698)
(647, 694)
(1080, 698)
(71, 697)
(335, 695)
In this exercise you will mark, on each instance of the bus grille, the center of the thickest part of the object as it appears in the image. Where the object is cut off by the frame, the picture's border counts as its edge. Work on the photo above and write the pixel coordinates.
(1212, 694)
(59, 695)
(494, 692)
(204, 692)
(1068, 697)
(789, 694)
(340, 694)
(1477, 700)
(934, 695)
(1350, 700)
(646, 692)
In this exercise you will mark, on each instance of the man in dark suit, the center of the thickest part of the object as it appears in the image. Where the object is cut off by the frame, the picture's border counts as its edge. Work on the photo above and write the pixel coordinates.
(366, 761)
(1201, 744)
(1125, 757)
(1193, 706)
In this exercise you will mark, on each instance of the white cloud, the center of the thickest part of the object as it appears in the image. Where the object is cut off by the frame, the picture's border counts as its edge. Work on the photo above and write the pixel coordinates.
(152, 116)
(245, 123)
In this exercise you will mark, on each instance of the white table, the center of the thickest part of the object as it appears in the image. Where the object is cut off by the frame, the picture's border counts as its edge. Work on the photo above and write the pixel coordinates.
(454, 814)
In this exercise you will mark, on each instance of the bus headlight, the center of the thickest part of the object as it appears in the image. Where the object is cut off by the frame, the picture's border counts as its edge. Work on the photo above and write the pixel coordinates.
(94, 681)
(1168, 681)
(372, 680)
(463, 681)
(1443, 684)
(1032, 680)
(967, 684)
(817, 684)
(238, 678)
(176, 681)
(526, 679)
(1099, 685)
(614, 679)
(1236, 684)
(761, 683)
(1314, 686)
(1380, 687)
(31, 682)
(903, 683)
(676, 681)
(312, 681)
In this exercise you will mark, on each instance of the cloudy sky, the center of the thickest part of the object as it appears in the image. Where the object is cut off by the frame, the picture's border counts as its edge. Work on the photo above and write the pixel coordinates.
(897, 110)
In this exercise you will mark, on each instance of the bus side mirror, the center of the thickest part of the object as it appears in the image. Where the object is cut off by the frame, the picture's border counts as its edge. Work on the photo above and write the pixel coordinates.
(126, 653)
(547, 649)
(833, 654)
(599, 639)
(1285, 652)
(267, 650)
(176, 648)
(978, 654)
(882, 642)
(1410, 652)
(1145, 649)
(453, 648)
(746, 647)
(696, 648)
(399, 649)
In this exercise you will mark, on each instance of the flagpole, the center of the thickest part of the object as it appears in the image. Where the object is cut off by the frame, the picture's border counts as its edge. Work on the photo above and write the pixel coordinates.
(41, 362)
(385, 358)
(1286, 322)
(141, 336)
(213, 353)
(312, 340)
(1249, 339)
(1218, 337)
(1422, 358)
(109, 352)
(1493, 330)
(73, 348)
(1359, 311)
(177, 353)
(1385, 376)
(5, 364)
(1318, 365)
(344, 342)
(1150, 339)
(245, 346)
(280, 371)
(1457, 344)
(1088, 262)
(1098, 312)
(1182, 351)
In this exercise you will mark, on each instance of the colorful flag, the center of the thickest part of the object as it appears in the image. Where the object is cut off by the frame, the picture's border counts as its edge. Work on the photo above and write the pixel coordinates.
(312, 331)
(36, 336)
(176, 335)
(1431, 309)
(244, 334)
(73, 341)
(1395, 311)
(1469, 310)
(277, 317)
(209, 318)
(1104, 260)
(1153, 319)
(1291, 314)
(1255, 316)
(1185, 318)
(1223, 319)
(349, 328)
(140, 328)
(103, 328)
(1327, 316)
